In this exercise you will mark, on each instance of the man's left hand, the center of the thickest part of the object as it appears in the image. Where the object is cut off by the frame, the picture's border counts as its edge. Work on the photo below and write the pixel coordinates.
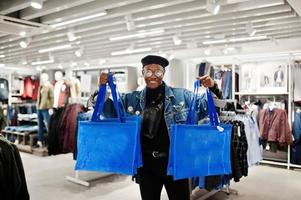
(206, 81)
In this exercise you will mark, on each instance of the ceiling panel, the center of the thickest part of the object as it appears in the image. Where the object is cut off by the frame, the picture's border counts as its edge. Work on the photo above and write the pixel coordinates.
(188, 20)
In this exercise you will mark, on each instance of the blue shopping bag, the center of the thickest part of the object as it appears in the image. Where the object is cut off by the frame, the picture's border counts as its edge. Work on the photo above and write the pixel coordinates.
(199, 150)
(109, 145)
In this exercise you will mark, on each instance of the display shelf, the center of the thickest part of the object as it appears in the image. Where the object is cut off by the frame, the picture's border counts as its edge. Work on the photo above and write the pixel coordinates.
(260, 94)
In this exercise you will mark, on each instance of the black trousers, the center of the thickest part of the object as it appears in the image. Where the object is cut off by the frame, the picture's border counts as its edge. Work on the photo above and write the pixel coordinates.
(152, 177)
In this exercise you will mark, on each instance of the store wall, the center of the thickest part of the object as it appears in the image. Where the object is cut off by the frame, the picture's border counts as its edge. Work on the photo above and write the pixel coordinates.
(175, 75)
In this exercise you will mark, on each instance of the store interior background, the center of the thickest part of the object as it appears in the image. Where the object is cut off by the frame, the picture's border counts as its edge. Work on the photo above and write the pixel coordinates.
(86, 37)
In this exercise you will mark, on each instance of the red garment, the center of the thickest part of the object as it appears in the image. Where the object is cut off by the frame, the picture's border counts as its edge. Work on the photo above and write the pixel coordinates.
(28, 88)
(64, 95)
(274, 126)
(35, 87)
(68, 128)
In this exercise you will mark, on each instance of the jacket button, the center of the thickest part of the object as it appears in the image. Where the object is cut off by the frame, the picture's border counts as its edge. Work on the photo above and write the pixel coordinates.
(130, 109)
(137, 112)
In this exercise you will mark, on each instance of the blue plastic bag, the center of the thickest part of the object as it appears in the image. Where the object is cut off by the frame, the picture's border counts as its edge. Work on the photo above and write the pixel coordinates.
(199, 150)
(109, 145)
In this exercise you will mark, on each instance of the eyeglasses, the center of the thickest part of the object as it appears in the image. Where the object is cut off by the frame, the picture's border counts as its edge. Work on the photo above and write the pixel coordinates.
(148, 73)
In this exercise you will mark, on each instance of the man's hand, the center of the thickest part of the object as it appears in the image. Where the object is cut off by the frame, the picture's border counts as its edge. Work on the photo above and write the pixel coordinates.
(103, 79)
(206, 81)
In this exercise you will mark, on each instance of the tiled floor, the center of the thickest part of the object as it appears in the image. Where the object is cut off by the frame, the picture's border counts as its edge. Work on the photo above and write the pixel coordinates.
(46, 181)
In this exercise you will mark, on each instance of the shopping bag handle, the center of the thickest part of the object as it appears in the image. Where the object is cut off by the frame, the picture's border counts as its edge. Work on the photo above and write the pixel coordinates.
(101, 99)
(211, 107)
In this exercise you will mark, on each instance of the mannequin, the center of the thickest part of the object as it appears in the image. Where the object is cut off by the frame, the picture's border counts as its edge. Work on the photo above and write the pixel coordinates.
(44, 106)
(278, 77)
(73, 83)
(58, 86)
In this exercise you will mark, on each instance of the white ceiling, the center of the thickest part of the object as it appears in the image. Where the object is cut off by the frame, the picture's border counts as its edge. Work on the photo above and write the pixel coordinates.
(276, 21)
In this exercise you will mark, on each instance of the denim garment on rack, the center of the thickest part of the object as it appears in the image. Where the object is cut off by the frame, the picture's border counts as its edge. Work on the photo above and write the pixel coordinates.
(227, 85)
(296, 146)
(43, 121)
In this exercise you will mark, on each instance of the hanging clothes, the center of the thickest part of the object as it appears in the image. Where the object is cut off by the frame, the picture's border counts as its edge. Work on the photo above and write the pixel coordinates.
(255, 150)
(227, 84)
(4, 90)
(296, 146)
(12, 177)
(28, 88)
(35, 88)
(274, 126)
(297, 83)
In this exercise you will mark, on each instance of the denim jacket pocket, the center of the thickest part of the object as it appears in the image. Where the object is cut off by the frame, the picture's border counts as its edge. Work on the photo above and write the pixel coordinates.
(180, 115)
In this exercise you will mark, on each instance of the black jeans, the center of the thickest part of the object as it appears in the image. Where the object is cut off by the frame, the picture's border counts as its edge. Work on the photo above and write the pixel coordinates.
(152, 177)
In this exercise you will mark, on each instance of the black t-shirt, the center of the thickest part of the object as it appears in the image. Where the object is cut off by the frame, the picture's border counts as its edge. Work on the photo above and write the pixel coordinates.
(154, 135)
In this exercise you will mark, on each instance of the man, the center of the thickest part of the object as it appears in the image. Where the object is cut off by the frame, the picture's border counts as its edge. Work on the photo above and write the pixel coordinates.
(160, 106)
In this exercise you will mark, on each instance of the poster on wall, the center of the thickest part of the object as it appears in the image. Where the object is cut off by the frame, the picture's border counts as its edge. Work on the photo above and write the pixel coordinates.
(264, 77)
(273, 78)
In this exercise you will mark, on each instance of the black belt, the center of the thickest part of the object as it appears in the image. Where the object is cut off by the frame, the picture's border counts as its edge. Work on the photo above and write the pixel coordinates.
(157, 154)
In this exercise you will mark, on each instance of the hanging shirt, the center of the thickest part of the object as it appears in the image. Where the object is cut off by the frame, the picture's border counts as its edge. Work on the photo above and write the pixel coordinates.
(4, 90)
(297, 83)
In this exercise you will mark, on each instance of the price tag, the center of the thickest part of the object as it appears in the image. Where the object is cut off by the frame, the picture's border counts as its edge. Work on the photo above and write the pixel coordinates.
(238, 131)
(220, 129)
(2, 85)
(267, 147)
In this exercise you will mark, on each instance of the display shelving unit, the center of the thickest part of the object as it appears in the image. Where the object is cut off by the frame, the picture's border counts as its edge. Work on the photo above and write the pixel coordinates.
(288, 94)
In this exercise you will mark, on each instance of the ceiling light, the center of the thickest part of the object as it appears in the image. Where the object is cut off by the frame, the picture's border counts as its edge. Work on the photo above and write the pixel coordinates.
(25, 42)
(42, 62)
(248, 38)
(130, 24)
(2, 56)
(71, 36)
(60, 66)
(79, 52)
(22, 33)
(250, 29)
(129, 51)
(24, 62)
(79, 19)
(37, 4)
(86, 64)
(139, 34)
(207, 52)
(176, 40)
(2, 65)
(38, 68)
(212, 6)
(55, 48)
(214, 41)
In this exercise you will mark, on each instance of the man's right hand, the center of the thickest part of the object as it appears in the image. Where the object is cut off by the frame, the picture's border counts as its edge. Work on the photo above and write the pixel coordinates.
(103, 79)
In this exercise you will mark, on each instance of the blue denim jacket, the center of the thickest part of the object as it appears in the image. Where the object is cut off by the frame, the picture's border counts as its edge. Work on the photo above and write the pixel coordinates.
(177, 101)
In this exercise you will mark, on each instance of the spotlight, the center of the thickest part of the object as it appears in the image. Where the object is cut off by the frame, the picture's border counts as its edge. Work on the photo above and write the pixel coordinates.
(24, 43)
(250, 29)
(130, 24)
(37, 4)
(176, 40)
(213, 7)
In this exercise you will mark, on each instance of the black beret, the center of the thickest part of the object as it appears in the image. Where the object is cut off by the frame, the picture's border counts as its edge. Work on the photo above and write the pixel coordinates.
(152, 59)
